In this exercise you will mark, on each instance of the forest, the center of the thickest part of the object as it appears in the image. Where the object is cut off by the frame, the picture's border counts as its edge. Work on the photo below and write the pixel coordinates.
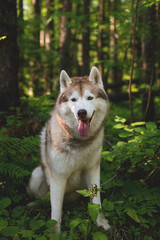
(38, 39)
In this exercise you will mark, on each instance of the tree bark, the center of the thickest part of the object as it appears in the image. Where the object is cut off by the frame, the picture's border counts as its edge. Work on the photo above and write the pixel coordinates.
(65, 37)
(86, 38)
(107, 57)
(21, 47)
(49, 43)
(116, 69)
(100, 38)
(149, 49)
(9, 93)
(36, 74)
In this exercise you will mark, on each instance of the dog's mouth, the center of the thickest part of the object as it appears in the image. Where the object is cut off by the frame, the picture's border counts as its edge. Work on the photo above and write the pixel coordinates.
(84, 126)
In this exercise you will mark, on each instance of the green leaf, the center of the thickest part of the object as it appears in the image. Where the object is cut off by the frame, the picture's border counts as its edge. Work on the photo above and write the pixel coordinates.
(85, 192)
(50, 223)
(27, 233)
(36, 224)
(119, 119)
(121, 144)
(83, 227)
(138, 124)
(17, 197)
(118, 126)
(99, 236)
(140, 130)
(5, 202)
(93, 210)
(132, 213)
(3, 224)
(16, 238)
(125, 134)
(107, 156)
(4, 212)
(41, 238)
(151, 126)
(18, 211)
(149, 152)
(75, 222)
(10, 231)
(108, 205)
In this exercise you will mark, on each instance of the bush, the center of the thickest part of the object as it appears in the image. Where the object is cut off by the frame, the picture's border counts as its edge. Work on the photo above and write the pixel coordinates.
(133, 194)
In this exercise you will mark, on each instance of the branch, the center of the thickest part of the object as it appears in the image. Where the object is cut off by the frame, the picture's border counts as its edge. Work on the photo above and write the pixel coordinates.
(109, 180)
(108, 142)
(150, 91)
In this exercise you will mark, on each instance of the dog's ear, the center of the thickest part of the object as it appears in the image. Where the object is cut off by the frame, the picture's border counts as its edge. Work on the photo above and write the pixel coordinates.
(95, 77)
(65, 80)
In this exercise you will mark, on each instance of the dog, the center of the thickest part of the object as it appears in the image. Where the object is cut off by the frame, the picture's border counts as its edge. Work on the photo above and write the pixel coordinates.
(71, 143)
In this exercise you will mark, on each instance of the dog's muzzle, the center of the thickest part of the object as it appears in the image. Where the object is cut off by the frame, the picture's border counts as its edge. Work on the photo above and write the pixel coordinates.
(83, 123)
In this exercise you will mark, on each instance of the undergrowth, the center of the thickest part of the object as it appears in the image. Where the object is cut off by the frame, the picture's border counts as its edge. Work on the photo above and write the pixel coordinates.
(130, 171)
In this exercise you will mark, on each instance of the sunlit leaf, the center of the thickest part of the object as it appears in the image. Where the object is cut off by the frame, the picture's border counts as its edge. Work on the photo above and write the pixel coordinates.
(132, 213)
(120, 119)
(85, 192)
(138, 124)
(2, 38)
(118, 126)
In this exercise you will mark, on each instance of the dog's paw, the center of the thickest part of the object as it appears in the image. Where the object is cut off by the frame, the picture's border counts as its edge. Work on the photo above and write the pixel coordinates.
(102, 222)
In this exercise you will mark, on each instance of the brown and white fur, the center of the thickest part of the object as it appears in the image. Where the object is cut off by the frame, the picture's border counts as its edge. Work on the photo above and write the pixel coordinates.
(71, 143)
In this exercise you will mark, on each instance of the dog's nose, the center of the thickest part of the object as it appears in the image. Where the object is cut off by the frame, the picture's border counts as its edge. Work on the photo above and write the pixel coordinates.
(82, 113)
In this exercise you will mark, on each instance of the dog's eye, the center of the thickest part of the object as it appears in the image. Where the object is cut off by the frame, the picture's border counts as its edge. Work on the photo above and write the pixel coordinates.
(90, 98)
(73, 99)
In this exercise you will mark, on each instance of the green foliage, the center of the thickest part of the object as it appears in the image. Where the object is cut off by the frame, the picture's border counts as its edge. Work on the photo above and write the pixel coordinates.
(14, 154)
(129, 175)
(17, 225)
(135, 191)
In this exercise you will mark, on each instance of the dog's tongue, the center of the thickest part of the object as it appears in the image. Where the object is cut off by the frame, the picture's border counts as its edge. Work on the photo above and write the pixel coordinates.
(83, 128)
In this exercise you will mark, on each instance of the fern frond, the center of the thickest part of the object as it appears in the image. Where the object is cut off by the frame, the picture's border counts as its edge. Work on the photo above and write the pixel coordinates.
(14, 156)
(13, 171)
(23, 146)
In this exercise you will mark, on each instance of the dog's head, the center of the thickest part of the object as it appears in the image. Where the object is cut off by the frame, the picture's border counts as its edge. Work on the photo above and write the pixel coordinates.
(85, 99)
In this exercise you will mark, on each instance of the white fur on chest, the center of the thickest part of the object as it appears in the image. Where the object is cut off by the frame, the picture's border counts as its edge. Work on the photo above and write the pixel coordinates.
(76, 157)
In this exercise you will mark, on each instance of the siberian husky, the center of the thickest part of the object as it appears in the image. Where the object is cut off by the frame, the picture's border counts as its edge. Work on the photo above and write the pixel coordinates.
(71, 143)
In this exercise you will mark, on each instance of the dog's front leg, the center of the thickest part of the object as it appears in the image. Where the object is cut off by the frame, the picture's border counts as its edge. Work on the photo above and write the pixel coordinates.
(93, 177)
(57, 189)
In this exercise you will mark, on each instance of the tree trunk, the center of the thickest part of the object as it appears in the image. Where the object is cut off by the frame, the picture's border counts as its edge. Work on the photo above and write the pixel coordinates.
(107, 34)
(49, 36)
(21, 47)
(86, 38)
(100, 38)
(9, 94)
(65, 37)
(116, 70)
(36, 74)
(149, 48)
